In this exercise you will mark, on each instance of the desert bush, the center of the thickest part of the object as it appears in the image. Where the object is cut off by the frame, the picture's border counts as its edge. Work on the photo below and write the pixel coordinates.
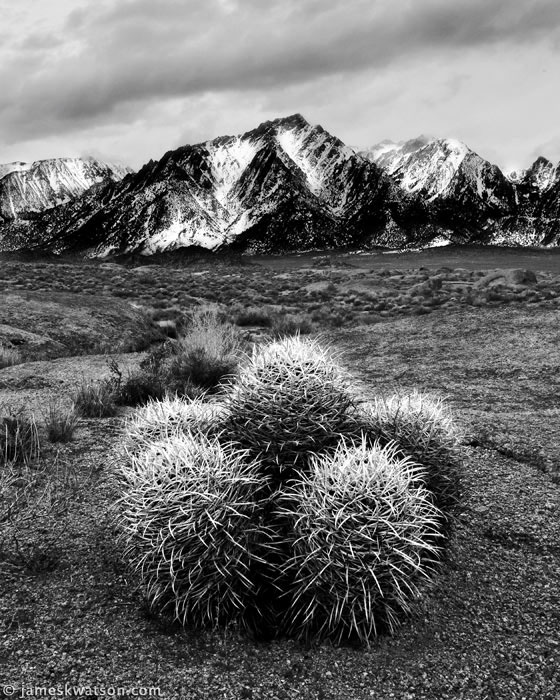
(206, 354)
(95, 399)
(9, 356)
(169, 417)
(197, 366)
(60, 423)
(423, 429)
(291, 324)
(196, 362)
(189, 527)
(141, 385)
(361, 543)
(290, 400)
(146, 334)
(254, 316)
(19, 438)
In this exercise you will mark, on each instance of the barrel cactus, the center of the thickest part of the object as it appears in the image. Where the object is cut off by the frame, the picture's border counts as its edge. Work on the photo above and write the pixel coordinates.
(290, 401)
(189, 526)
(423, 429)
(290, 506)
(162, 418)
(362, 543)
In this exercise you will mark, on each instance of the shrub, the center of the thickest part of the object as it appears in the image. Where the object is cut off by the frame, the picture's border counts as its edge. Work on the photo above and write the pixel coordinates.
(361, 543)
(34, 503)
(189, 527)
(59, 423)
(291, 324)
(199, 367)
(423, 429)
(207, 353)
(9, 356)
(19, 438)
(254, 316)
(198, 361)
(138, 386)
(95, 399)
(290, 400)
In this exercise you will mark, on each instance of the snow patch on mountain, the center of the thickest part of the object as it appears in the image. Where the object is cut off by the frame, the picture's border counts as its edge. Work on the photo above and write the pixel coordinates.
(179, 233)
(312, 151)
(515, 176)
(391, 155)
(431, 168)
(228, 160)
(543, 174)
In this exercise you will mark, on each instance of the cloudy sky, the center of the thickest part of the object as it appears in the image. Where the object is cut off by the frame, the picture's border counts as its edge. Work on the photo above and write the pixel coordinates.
(127, 80)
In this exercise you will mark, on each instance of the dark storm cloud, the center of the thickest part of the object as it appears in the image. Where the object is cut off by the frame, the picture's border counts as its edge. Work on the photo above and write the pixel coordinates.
(122, 55)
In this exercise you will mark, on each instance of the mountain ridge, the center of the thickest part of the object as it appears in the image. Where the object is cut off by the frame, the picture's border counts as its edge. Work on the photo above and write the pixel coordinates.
(288, 185)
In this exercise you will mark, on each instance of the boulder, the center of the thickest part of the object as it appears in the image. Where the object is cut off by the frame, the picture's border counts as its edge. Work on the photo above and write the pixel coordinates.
(428, 287)
(514, 277)
(521, 277)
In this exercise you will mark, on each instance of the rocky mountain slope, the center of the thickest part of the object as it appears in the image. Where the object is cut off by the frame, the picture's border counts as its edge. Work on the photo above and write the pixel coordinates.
(289, 185)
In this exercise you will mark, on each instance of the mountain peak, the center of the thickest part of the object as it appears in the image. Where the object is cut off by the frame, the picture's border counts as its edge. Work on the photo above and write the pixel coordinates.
(292, 122)
(540, 163)
(417, 143)
(14, 167)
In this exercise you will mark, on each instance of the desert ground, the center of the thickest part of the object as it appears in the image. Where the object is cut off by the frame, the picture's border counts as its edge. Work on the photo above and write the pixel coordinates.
(477, 326)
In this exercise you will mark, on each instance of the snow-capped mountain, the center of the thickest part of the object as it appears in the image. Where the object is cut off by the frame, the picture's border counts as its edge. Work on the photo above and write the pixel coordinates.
(454, 185)
(391, 155)
(34, 187)
(284, 185)
(289, 185)
(535, 218)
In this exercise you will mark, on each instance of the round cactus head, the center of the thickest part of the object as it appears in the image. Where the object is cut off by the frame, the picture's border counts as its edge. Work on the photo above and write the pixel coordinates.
(164, 418)
(362, 541)
(291, 400)
(422, 428)
(190, 527)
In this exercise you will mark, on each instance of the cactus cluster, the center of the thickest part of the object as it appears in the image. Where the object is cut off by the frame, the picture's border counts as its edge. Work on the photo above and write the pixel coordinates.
(289, 506)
